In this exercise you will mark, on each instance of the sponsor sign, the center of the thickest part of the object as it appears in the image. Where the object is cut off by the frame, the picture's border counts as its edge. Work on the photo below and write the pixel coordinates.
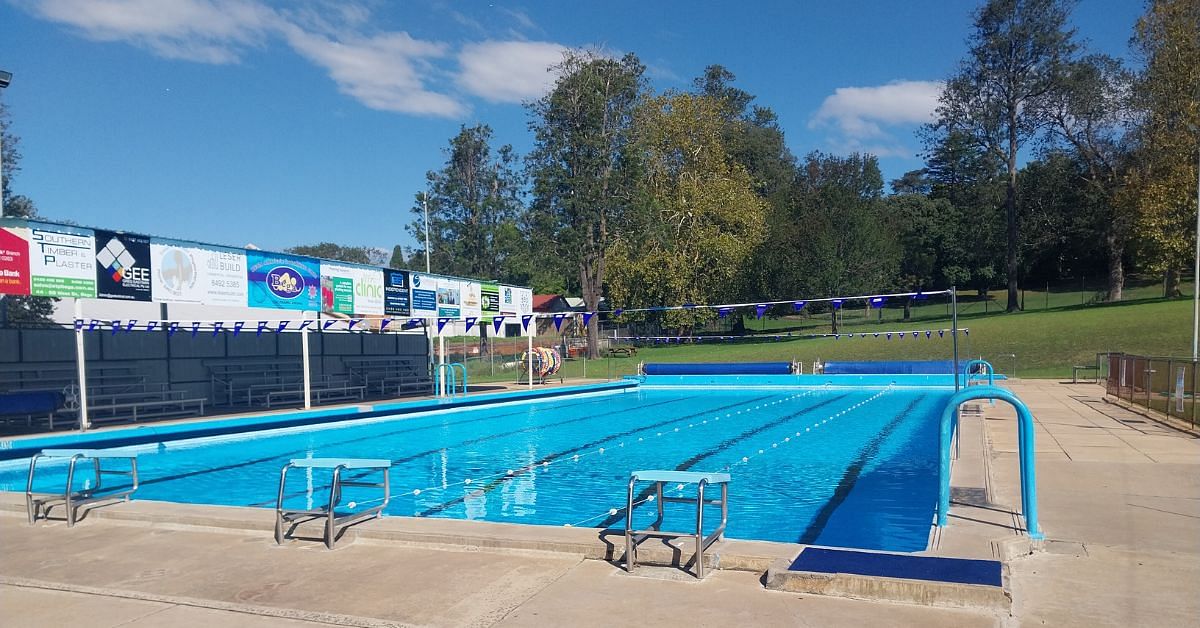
(449, 298)
(351, 290)
(508, 300)
(14, 260)
(1180, 390)
(489, 298)
(471, 306)
(284, 282)
(190, 273)
(395, 293)
(424, 295)
(122, 266)
(524, 300)
(62, 261)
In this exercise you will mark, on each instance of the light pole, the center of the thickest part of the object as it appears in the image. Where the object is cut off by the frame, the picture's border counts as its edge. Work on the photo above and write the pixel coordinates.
(1196, 265)
(5, 79)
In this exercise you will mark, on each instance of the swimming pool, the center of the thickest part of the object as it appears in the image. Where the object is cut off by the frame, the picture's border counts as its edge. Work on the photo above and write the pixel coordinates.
(847, 466)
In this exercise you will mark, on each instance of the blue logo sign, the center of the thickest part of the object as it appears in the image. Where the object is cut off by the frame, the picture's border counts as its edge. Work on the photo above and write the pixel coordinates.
(416, 281)
(285, 282)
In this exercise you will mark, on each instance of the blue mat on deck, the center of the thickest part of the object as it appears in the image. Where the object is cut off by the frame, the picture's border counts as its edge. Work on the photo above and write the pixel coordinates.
(960, 570)
(893, 367)
(30, 402)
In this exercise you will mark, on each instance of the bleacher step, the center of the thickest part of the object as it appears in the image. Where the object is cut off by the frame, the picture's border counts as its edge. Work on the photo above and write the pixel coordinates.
(882, 576)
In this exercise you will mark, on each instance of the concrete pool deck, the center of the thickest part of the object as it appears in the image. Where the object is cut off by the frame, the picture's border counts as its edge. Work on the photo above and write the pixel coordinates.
(1119, 496)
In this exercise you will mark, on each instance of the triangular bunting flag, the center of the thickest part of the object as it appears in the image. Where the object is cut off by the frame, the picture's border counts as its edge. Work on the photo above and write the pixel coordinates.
(353, 322)
(587, 317)
(617, 312)
(92, 324)
(116, 327)
(941, 333)
(237, 327)
(724, 311)
(195, 329)
(79, 324)
(525, 318)
(304, 324)
(837, 304)
(759, 310)
(262, 326)
(558, 321)
(928, 334)
(442, 323)
(174, 327)
(327, 325)
(151, 325)
(798, 305)
(282, 326)
(497, 321)
(384, 323)
(131, 324)
(889, 335)
(471, 320)
(217, 327)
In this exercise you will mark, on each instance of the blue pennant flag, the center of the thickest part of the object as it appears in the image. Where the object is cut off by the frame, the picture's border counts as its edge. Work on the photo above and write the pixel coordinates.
(116, 327)
(217, 327)
(798, 305)
(525, 319)
(151, 325)
(941, 333)
(92, 324)
(237, 327)
(617, 312)
(352, 323)
(282, 326)
(172, 328)
(79, 324)
(384, 323)
(262, 326)
(442, 323)
(849, 335)
(497, 321)
(587, 317)
(414, 323)
(837, 304)
(876, 334)
(305, 324)
(195, 329)
(759, 310)
(966, 332)
(471, 320)
(837, 336)
(327, 325)
(131, 324)
(889, 335)
(558, 321)
(877, 301)
(928, 334)
(921, 295)
(724, 311)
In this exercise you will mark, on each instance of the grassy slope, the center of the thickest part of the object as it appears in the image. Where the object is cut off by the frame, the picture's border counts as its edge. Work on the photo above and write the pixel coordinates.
(1047, 343)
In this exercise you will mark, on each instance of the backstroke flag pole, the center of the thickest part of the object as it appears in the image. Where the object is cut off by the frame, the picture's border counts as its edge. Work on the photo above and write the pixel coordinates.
(954, 330)
(81, 365)
(529, 353)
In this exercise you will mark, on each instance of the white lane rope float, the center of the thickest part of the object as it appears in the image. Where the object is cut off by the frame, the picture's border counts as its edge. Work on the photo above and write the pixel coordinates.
(746, 459)
(546, 464)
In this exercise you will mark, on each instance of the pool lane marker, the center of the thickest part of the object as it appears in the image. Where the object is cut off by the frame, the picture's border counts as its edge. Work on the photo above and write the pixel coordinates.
(491, 481)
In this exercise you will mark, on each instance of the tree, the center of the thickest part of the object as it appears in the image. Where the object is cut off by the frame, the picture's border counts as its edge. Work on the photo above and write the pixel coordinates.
(582, 167)
(471, 200)
(1091, 114)
(703, 220)
(350, 254)
(926, 233)
(1017, 54)
(19, 309)
(1162, 182)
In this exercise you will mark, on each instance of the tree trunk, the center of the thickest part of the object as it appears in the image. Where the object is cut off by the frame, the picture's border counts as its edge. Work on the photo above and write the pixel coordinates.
(907, 309)
(591, 271)
(833, 320)
(1116, 265)
(1010, 206)
(1171, 287)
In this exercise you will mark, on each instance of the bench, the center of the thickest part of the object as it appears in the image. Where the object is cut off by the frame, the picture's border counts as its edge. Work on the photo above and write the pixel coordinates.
(345, 392)
(39, 507)
(1077, 368)
(627, 351)
(329, 513)
(167, 407)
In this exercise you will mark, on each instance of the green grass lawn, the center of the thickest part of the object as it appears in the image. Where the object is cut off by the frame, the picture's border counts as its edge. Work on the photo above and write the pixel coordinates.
(1046, 343)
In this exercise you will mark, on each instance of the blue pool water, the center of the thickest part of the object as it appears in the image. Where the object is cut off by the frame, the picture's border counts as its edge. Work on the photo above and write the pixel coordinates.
(852, 467)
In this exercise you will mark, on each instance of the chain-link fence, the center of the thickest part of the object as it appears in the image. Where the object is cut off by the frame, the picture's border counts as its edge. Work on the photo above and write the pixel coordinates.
(1163, 384)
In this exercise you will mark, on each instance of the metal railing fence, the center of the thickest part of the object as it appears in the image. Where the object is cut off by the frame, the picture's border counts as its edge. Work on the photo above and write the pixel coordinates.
(1163, 384)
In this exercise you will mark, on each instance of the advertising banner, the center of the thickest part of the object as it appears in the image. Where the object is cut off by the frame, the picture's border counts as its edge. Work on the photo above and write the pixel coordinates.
(191, 273)
(424, 295)
(449, 298)
(524, 300)
(508, 300)
(489, 300)
(395, 293)
(14, 260)
(62, 261)
(351, 290)
(471, 306)
(122, 266)
(285, 282)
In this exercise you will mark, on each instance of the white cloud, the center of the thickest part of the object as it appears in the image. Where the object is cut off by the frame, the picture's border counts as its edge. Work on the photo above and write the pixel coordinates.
(207, 31)
(383, 72)
(865, 119)
(508, 71)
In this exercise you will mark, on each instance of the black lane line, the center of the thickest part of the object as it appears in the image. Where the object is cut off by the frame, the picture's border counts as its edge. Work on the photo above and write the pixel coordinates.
(407, 430)
(473, 441)
(851, 475)
(567, 452)
(722, 446)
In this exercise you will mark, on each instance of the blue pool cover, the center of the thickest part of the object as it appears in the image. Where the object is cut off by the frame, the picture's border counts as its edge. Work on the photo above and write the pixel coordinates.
(932, 568)
(897, 367)
(719, 368)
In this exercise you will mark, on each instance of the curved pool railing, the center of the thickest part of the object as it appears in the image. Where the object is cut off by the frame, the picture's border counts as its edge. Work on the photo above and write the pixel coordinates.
(949, 424)
(462, 366)
(991, 371)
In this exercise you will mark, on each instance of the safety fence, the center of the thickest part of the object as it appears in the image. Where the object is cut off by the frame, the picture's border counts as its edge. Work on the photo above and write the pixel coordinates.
(1162, 384)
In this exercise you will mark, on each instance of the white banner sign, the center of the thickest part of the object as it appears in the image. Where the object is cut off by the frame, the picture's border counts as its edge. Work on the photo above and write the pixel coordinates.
(472, 300)
(351, 290)
(187, 273)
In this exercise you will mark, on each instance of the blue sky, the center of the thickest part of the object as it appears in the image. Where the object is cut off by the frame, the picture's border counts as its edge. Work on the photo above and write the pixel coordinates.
(246, 121)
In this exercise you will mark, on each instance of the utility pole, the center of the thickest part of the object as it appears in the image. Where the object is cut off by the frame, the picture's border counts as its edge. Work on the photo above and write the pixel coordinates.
(5, 79)
(425, 205)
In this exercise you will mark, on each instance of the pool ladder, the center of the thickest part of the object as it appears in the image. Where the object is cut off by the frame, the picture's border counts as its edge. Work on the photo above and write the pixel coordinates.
(451, 378)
